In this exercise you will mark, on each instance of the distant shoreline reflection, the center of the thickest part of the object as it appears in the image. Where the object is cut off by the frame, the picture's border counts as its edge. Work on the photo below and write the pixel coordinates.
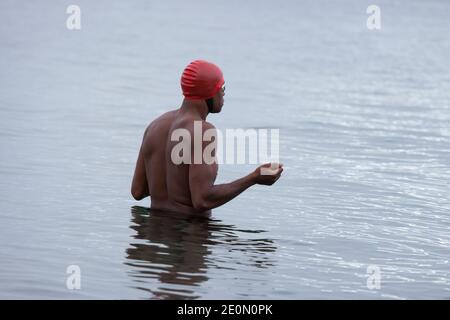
(171, 254)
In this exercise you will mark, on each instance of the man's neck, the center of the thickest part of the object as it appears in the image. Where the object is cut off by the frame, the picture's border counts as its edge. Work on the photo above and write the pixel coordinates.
(195, 108)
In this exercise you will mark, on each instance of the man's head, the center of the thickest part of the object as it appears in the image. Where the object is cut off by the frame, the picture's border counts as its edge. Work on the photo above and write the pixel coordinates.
(203, 80)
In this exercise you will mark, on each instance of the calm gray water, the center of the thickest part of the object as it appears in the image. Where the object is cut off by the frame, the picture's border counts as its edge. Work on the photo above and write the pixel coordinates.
(364, 119)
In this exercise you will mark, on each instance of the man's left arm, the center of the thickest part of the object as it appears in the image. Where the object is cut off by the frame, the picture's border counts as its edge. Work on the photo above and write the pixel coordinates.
(139, 186)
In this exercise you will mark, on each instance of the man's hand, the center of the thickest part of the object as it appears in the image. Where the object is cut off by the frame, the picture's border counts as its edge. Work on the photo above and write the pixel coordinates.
(268, 173)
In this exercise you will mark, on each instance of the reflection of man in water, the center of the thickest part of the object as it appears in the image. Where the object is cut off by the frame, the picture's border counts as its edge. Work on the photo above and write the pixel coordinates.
(189, 187)
(174, 251)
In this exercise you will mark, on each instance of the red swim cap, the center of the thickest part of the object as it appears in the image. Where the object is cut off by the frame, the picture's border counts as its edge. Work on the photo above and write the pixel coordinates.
(201, 80)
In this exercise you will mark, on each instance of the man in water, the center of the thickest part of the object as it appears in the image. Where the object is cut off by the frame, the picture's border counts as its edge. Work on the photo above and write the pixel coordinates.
(188, 187)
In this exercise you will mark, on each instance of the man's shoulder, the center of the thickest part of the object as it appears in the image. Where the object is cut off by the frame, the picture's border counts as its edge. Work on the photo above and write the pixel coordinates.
(208, 125)
(190, 124)
(165, 117)
(169, 115)
(201, 125)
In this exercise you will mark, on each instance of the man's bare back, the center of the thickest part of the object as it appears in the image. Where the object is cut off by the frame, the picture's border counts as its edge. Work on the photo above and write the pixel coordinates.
(186, 187)
(167, 183)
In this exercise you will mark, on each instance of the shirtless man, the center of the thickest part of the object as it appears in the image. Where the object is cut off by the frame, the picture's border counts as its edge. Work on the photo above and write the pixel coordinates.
(189, 187)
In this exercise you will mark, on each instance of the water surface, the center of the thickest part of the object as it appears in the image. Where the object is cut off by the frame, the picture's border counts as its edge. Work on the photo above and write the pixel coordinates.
(364, 135)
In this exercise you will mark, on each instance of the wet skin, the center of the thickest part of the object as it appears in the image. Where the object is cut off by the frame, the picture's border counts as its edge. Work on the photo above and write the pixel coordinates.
(186, 188)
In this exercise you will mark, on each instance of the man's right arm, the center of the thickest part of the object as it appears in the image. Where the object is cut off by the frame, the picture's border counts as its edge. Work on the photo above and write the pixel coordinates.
(205, 195)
